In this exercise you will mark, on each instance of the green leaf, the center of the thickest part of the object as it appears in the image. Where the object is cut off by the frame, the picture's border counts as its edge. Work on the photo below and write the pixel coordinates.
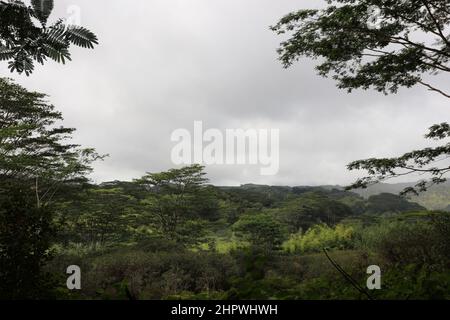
(81, 37)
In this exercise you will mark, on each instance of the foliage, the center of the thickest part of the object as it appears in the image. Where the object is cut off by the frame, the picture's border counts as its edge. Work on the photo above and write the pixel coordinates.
(402, 242)
(387, 202)
(35, 164)
(156, 275)
(23, 41)
(321, 236)
(33, 148)
(174, 197)
(238, 261)
(312, 208)
(25, 236)
(419, 161)
(358, 53)
(96, 216)
(261, 230)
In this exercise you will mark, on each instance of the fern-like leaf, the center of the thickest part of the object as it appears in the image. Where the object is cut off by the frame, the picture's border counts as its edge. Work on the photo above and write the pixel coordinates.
(59, 55)
(21, 64)
(5, 53)
(56, 35)
(81, 37)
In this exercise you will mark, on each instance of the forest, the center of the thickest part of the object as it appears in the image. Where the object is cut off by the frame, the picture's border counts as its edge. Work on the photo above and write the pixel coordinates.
(170, 236)
(174, 235)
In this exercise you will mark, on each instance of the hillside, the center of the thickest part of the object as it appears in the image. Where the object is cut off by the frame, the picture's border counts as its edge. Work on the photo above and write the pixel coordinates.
(436, 198)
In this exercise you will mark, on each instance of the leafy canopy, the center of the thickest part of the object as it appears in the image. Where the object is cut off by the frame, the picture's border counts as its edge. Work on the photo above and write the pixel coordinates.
(33, 148)
(175, 197)
(36, 163)
(261, 230)
(26, 37)
(371, 43)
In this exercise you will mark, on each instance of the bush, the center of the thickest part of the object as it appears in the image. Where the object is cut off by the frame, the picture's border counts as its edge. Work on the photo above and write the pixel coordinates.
(260, 230)
(400, 242)
(135, 274)
(319, 237)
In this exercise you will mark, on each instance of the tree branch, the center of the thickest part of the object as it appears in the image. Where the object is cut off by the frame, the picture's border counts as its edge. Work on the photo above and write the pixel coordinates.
(431, 88)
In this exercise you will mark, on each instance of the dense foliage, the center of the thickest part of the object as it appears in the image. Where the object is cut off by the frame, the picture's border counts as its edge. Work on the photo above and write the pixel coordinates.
(248, 249)
(37, 165)
(26, 37)
(170, 235)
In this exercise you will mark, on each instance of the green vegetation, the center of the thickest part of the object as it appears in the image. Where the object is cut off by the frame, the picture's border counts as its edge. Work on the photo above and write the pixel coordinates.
(170, 235)
(238, 252)
(24, 42)
(36, 166)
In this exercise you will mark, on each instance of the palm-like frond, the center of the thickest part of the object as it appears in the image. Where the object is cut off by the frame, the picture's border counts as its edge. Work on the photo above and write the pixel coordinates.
(42, 9)
(22, 42)
(57, 35)
(21, 64)
(81, 37)
(6, 53)
(59, 55)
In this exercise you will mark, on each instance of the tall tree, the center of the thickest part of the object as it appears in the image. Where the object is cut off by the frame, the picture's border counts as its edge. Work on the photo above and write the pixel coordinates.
(96, 216)
(33, 148)
(26, 37)
(174, 197)
(380, 44)
(35, 163)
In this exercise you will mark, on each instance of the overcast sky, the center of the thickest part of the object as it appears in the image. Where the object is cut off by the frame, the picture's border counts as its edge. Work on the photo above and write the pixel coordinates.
(163, 64)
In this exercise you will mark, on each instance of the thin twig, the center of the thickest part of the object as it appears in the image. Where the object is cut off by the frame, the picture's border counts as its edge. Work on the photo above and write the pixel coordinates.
(347, 276)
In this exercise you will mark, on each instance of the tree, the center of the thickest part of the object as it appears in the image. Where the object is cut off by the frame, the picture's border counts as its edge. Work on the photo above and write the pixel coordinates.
(96, 216)
(175, 197)
(26, 37)
(261, 230)
(312, 208)
(385, 54)
(35, 164)
(418, 161)
(33, 148)
(25, 237)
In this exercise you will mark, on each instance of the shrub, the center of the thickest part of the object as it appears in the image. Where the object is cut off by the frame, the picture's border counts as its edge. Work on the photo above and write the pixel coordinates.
(319, 237)
(400, 242)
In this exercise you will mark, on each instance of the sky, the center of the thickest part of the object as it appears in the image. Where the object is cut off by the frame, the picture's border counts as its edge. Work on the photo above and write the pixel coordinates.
(163, 64)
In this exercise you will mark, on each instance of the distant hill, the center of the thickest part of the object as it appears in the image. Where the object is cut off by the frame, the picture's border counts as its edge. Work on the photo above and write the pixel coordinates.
(436, 198)
(388, 202)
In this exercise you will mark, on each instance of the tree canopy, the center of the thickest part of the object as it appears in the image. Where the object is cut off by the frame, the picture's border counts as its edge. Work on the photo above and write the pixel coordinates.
(35, 163)
(359, 52)
(175, 197)
(33, 148)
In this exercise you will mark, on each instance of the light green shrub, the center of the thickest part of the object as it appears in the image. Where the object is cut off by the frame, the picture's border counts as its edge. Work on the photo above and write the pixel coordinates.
(319, 237)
